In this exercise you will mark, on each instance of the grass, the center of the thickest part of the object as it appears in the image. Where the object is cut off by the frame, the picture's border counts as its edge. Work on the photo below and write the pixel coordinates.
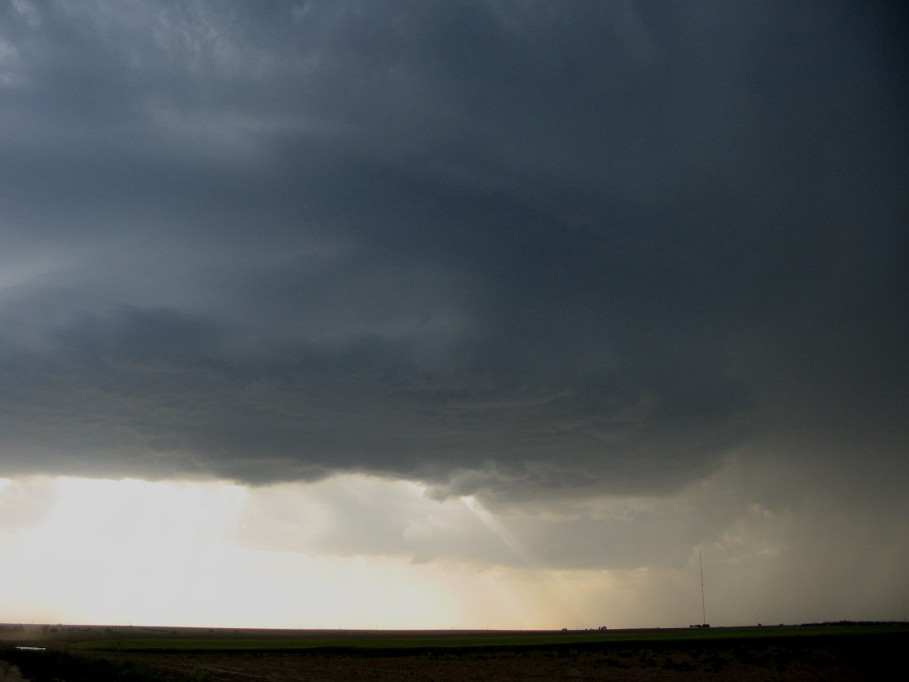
(53, 666)
(127, 654)
(411, 642)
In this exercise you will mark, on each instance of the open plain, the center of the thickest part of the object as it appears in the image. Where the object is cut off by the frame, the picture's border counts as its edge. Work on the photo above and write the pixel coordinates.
(836, 652)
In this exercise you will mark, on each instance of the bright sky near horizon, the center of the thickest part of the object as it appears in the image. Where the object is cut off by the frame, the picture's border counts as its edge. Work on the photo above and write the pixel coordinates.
(216, 554)
(131, 552)
(471, 314)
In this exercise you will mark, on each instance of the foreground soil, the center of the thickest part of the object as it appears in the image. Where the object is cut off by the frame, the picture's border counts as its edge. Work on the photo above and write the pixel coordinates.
(831, 660)
(99, 654)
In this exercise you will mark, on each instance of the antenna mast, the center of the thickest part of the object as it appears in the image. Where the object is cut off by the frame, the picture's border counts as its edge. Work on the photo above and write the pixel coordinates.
(703, 607)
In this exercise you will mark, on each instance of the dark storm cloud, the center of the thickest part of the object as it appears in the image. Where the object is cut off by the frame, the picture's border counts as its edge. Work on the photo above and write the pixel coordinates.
(506, 248)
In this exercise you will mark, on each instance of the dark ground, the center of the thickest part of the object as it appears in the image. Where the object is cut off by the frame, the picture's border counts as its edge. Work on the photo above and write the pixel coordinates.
(833, 658)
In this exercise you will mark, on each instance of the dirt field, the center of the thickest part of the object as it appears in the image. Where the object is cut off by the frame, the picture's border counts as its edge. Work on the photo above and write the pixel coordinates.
(9, 673)
(139, 654)
(817, 660)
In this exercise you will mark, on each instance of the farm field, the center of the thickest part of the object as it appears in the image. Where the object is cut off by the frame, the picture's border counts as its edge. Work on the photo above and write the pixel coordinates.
(826, 652)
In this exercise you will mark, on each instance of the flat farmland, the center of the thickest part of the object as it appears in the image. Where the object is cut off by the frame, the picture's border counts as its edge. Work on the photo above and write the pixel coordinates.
(828, 652)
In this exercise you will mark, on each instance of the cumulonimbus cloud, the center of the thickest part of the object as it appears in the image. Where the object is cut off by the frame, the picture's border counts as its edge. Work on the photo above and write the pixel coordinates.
(498, 248)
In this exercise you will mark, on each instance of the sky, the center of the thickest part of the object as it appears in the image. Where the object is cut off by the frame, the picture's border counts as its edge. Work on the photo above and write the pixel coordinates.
(474, 314)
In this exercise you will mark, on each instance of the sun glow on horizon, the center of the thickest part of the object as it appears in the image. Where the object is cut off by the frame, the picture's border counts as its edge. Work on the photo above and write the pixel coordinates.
(198, 553)
(352, 552)
(105, 548)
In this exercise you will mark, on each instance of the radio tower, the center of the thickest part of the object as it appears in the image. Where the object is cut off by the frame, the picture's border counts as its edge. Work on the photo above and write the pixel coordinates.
(703, 607)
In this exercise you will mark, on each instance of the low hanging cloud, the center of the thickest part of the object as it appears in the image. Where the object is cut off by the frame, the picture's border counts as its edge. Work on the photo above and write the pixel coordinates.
(504, 249)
